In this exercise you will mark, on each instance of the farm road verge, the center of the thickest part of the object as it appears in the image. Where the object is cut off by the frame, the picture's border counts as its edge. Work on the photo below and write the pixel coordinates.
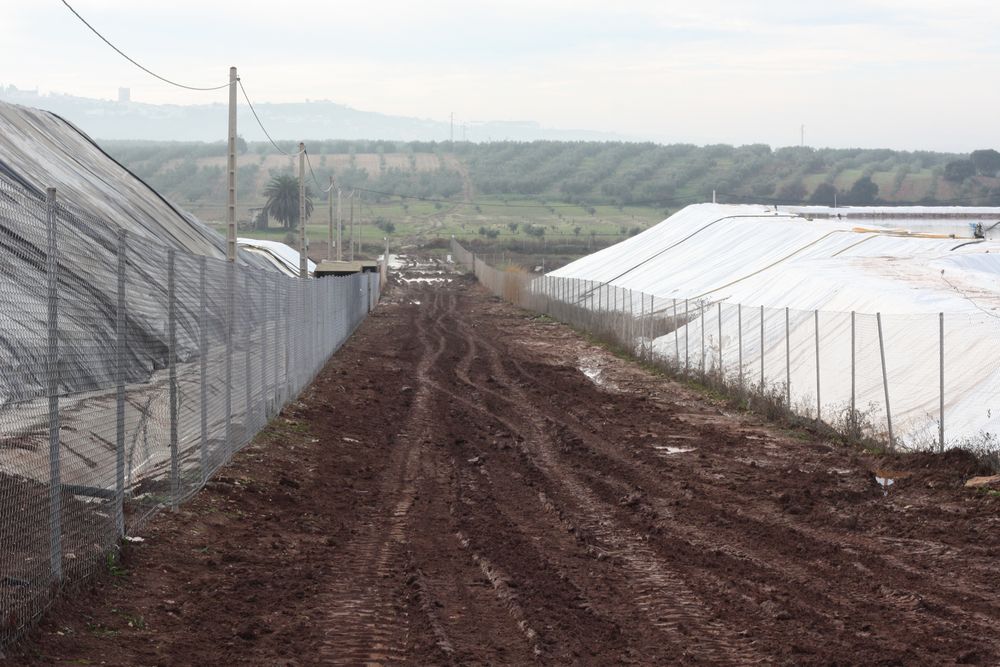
(466, 483)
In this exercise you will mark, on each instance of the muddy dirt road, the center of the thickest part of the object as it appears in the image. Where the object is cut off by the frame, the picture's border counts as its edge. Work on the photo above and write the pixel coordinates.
(468, 484)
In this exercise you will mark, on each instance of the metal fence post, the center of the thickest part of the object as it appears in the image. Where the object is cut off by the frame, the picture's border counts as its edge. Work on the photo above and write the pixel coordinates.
(287, 284)
(819, 404)
(739, 340)
(645, 326)
(853, 362)
(687, 335)
(203, 362)
(762, 349)
(247, 326)
(677, 336)
(120, 315)
(885, 381)
(722, 372)
(175, 479)
(631, 319)
(262, 317)
(701, 325)
(642, 325)
(52, 371)
(788, 361)
(941, 378)
(276, 322)
(649, 326)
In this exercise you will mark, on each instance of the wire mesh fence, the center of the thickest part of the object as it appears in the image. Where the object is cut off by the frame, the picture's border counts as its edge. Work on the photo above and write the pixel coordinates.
(130, 373)
(906, 381)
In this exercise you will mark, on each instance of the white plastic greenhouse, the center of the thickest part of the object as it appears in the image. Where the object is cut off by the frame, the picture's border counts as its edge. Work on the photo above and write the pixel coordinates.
(795, 299)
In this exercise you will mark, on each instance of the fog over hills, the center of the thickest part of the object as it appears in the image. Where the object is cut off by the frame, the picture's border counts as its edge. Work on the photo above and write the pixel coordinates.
(319, 119)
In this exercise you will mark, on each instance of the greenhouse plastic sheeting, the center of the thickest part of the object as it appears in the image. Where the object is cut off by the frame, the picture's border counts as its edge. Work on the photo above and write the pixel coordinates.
(280, 255)
(134, 359)
(732, 269)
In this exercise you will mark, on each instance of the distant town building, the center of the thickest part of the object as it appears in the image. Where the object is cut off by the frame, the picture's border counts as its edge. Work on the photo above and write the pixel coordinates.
(124, 95)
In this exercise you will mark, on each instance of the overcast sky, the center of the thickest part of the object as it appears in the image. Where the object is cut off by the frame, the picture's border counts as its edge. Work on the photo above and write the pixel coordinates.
(907, 74)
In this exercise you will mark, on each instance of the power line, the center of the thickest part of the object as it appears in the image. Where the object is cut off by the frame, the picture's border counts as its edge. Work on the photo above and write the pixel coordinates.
(174, 83)
(316, 180)
(257, 118)
(126, 57)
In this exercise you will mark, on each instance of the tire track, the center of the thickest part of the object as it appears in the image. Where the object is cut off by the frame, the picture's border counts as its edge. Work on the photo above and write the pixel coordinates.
(362, 623)
(660, 593)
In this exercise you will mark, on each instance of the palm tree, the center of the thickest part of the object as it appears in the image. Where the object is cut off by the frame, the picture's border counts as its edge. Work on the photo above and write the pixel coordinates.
(283, 200)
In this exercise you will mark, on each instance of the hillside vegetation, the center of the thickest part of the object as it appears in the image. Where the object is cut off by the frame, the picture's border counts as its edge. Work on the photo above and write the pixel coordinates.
(601, 189)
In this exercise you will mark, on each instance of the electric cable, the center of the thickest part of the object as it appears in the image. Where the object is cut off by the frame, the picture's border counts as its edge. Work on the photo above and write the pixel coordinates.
(257, 118)
(313, 174)
(126, 57)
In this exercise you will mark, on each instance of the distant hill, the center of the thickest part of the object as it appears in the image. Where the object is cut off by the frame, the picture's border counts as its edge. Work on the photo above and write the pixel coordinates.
(106, 119)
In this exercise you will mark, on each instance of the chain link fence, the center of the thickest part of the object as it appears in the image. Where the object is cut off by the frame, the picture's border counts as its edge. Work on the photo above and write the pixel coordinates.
(130, 373)
(907, 381)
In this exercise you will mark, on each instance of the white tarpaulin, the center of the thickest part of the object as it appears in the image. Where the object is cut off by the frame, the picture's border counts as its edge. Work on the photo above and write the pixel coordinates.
(736, 269)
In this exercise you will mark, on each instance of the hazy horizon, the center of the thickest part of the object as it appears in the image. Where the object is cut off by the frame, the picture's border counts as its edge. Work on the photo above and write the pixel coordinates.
(864, 74)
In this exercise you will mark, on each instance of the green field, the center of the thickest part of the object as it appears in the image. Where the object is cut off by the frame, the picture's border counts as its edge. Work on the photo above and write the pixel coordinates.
(562, 222)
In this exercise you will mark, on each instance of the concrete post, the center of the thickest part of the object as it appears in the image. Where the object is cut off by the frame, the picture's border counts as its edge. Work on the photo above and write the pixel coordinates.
(230, 312)
(303, 258)
(231, 171)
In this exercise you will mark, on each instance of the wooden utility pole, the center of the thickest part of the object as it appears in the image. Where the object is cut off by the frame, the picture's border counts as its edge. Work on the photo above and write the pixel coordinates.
(231, 171)
(303, 259)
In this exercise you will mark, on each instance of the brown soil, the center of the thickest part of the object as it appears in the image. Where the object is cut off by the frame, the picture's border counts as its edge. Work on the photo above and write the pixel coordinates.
(453, 489)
